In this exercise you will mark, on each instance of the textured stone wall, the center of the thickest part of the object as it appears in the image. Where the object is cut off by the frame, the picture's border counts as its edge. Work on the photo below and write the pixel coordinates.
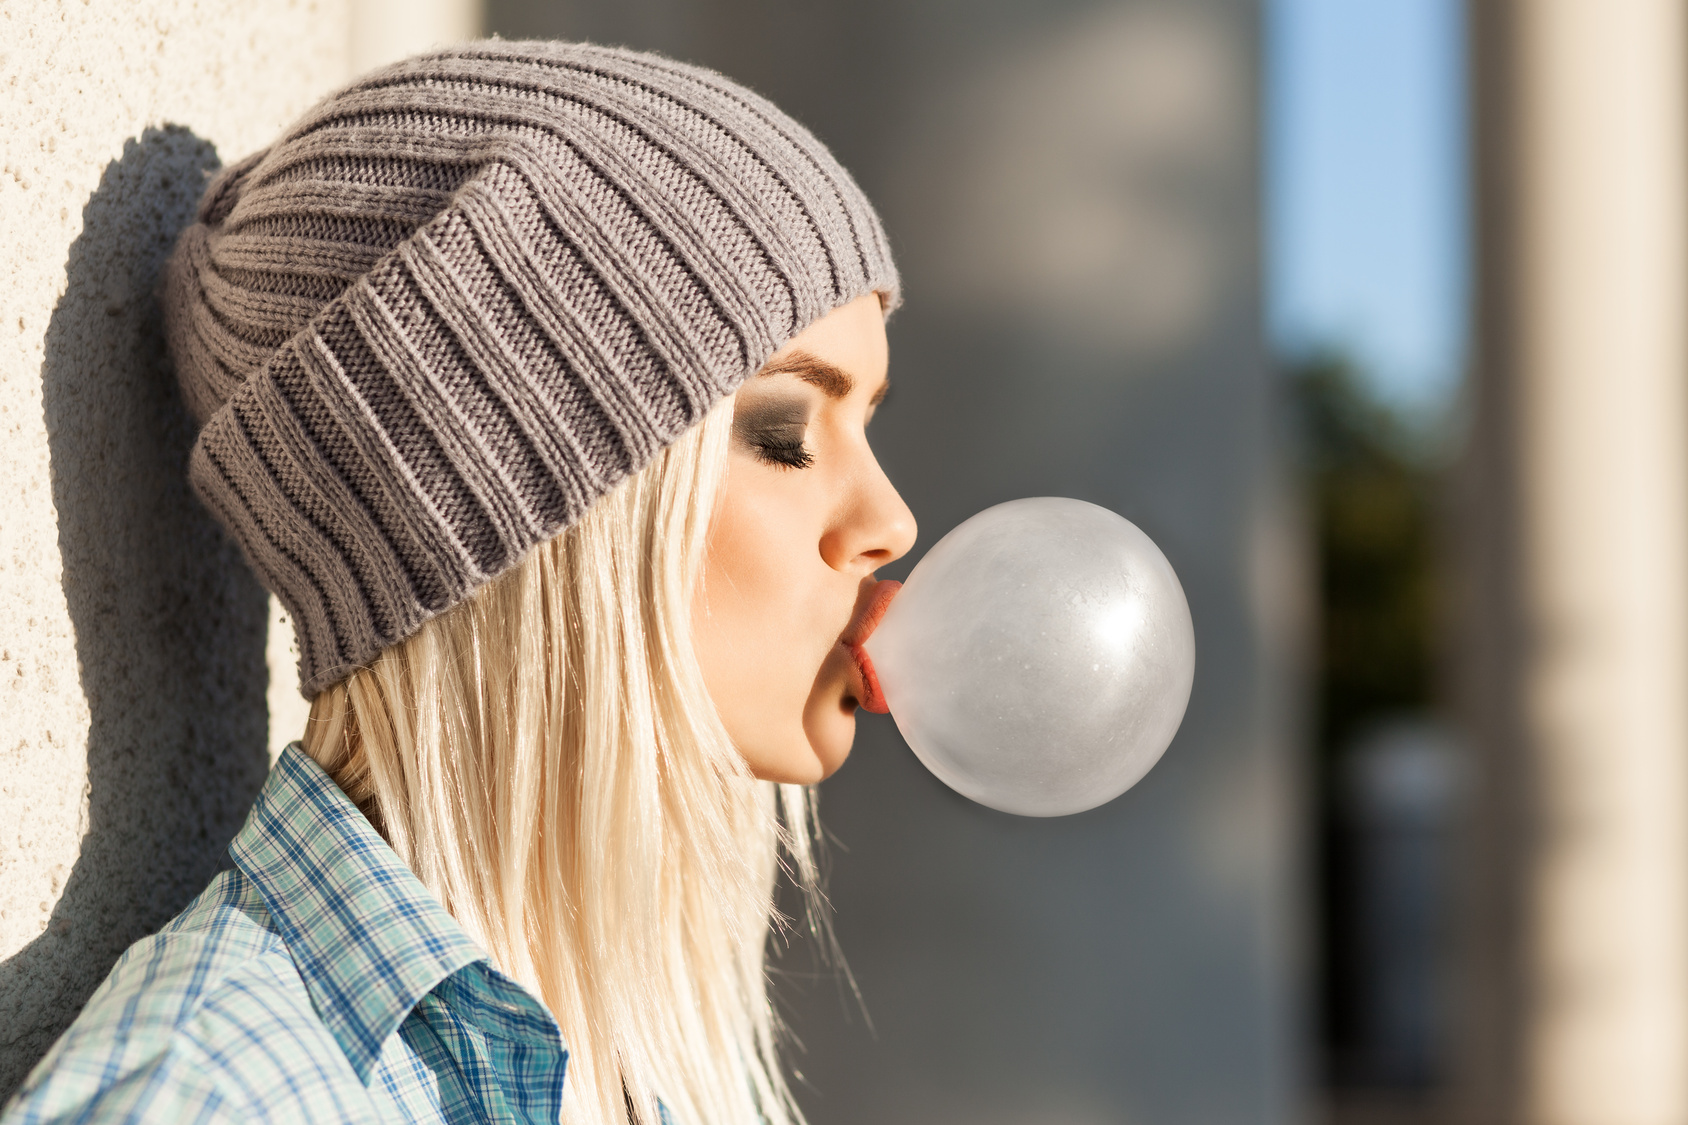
(133, 671)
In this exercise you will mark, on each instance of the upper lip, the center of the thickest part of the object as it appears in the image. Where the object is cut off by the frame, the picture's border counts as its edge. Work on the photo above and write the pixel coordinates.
(870, 609)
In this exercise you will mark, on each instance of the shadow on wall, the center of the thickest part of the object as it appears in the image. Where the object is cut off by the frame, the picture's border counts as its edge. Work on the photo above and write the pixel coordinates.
(169, 622)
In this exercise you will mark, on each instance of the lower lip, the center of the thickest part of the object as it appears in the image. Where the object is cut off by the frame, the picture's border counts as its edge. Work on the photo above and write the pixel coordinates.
(873, 698)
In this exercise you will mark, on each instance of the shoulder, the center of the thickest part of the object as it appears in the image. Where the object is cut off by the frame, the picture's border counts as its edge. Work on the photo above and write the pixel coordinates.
(162, 984)
(207, 1019)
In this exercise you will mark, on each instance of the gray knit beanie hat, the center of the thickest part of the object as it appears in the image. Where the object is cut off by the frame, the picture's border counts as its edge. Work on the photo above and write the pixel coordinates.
(463, 297)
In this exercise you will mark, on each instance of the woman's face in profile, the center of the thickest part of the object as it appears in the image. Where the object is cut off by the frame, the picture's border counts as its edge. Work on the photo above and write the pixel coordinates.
(805, 518)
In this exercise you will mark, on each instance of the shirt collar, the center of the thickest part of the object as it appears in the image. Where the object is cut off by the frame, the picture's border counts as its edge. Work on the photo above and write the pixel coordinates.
(368, 938)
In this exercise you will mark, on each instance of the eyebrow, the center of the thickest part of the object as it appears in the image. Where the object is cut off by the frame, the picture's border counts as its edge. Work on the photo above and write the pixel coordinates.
(833, 381)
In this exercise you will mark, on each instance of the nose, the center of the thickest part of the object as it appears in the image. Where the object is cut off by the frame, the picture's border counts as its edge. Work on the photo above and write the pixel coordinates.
(872, 527)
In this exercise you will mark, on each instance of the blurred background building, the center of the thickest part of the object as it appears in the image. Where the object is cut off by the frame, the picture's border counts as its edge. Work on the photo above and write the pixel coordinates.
(1072, 191)
(1370, 313)
(1496, 467)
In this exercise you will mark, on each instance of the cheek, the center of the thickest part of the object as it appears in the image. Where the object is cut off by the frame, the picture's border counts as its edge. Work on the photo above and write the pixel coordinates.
(762, 627)
(753, 560)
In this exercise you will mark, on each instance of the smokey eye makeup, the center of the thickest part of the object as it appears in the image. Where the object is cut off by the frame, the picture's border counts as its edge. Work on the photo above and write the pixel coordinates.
(772, 431)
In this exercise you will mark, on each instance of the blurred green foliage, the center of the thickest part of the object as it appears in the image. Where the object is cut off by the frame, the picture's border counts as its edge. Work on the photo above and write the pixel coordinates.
(1372, 480)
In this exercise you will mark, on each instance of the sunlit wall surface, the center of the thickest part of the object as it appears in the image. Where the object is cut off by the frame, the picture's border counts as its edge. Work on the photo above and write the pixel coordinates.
(1071, 190)
(131, 636)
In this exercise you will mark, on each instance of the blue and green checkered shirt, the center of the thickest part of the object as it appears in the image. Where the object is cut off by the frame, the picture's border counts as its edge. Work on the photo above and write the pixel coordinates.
(316, 981)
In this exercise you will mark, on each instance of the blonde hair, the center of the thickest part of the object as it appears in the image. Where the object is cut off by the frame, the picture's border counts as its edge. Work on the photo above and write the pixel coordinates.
(546, 758)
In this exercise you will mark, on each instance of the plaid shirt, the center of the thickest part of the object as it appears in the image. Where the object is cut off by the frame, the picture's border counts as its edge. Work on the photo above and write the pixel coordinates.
(316, 981)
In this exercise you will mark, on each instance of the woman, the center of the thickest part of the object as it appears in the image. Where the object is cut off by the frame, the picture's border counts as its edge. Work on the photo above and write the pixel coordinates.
(533, 379)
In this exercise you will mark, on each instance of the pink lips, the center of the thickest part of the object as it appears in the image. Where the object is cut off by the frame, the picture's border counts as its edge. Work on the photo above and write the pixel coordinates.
(856, 635)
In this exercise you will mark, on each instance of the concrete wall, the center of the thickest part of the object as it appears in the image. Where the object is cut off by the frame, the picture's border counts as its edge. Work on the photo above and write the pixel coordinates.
(132, 639)
(1071, 189)
(146, 681)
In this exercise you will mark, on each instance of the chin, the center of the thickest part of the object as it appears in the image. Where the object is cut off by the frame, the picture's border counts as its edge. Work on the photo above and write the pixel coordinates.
(811, 754)
(798, 766)
(830, 735)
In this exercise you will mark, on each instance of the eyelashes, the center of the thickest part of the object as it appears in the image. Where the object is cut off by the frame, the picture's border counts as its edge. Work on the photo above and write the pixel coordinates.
(787, 450)
(773, 433)
(782, 446)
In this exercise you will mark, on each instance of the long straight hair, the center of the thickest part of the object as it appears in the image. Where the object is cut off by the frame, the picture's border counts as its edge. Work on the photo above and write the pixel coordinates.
(546, 758)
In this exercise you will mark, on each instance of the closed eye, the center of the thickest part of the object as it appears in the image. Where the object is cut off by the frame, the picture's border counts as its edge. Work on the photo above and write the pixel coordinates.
(774, 428)
(774, 449)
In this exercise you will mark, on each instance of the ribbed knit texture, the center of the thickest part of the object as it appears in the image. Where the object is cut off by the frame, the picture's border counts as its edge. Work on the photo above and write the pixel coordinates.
(463, 298)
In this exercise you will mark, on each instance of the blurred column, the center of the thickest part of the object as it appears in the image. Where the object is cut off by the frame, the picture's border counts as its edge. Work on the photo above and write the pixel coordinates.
(1579, 629)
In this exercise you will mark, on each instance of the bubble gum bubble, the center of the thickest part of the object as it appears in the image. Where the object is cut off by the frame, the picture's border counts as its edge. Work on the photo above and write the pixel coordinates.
(1039, 658)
